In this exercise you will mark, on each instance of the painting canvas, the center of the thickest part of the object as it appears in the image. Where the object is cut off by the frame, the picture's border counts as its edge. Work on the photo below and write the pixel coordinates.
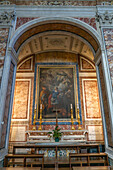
(56, 91)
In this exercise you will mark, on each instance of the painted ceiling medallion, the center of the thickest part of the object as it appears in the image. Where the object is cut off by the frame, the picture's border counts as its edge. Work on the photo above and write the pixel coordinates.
(56, 42)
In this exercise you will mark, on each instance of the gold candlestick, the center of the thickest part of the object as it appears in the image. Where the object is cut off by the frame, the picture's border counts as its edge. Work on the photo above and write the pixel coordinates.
(72, 120)
(34, 121)
(56, 119)
(79, 127)
(40, 122)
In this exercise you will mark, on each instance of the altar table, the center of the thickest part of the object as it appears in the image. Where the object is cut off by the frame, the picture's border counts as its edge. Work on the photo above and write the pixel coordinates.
(35, 136)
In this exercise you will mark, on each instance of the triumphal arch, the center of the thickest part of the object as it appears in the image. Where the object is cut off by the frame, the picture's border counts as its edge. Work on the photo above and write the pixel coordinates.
(56, 73)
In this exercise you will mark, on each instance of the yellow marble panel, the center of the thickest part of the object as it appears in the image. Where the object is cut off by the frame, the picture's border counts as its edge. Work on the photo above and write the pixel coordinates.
(21, 99)
(92, 106)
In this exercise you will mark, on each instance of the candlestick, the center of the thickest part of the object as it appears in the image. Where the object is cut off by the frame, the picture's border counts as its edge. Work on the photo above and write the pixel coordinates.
(34, 121)
(79, 127)
(56, 119)
(72, 121)
(40, 122)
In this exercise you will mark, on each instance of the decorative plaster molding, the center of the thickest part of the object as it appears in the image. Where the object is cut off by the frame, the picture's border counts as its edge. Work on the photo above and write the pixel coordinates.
(97, 56)
(54, 3)
(104, 18)
(5, 3)
(51, 3)
(11, 52)
(7, 17)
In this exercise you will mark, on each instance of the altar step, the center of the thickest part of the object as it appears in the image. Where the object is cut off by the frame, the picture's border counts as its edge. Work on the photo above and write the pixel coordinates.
(58, 168)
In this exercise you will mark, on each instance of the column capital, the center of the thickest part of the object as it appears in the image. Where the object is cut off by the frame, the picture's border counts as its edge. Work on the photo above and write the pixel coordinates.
(105, 19)
(6, 18)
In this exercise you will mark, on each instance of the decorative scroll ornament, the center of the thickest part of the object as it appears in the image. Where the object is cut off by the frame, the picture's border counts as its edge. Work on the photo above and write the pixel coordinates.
(54, 3)
(104, 17)
(7, 17)
(5, 3)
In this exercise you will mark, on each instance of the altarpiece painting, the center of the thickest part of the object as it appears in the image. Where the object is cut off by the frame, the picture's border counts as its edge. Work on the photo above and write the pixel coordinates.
(56, 89)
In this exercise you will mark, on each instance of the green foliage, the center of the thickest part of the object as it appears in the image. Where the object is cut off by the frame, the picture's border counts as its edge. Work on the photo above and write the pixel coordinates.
(56, 133)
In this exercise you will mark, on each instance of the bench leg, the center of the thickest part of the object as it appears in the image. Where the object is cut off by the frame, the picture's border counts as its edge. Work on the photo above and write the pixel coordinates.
(24, 162)
(5, 162)
(70, 162)
(42, 163)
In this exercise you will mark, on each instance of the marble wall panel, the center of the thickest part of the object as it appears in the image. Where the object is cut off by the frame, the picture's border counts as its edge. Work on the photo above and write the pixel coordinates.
(3, 43)
(108, 37)
(89, 121)
(58, 57)
(95, 133)
(21, 99)
(86, 65)
(18, 133)
(23, 20)
(7, 105)
(106, 108)
(89, 21)
(26, 65)
(91, 99)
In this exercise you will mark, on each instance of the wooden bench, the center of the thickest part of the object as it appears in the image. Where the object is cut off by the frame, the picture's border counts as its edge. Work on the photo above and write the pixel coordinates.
(24, 157)
(20, 168)
(92, 168)
(56, 146)
(88, 159)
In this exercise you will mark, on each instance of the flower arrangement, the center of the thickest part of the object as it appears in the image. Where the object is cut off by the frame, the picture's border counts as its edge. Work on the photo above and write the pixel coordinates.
(56, 134)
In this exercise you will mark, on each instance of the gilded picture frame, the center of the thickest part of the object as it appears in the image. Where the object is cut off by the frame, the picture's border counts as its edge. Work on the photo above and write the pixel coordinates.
(56, 89)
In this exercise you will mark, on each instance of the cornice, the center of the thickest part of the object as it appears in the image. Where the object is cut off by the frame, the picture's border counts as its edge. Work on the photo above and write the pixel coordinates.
(56, 10)
(42, 11)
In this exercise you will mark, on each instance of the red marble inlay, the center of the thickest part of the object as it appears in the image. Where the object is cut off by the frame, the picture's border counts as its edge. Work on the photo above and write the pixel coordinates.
(89, 21)
(23, 20)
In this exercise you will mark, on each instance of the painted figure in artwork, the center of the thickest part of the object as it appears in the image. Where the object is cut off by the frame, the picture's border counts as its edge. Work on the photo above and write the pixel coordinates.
(54, 98)
(44, 98)
(56, 90)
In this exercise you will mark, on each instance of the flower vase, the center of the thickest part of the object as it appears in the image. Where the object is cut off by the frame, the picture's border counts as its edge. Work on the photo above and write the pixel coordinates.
(56, 139)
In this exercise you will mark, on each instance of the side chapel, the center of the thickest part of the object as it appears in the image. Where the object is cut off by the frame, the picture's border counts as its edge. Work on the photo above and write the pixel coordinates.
(56, 72)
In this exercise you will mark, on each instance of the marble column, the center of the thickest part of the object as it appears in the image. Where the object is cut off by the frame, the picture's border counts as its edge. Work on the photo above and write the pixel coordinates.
(7, 75)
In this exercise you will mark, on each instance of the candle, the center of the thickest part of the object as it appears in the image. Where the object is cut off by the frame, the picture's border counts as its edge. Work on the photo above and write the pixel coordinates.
(71, 106)
(41, 106)
(77, 106)
(35, 106)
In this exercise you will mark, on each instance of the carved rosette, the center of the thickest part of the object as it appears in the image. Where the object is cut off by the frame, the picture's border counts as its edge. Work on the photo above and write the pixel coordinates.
(6, 18)
(104, 18)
